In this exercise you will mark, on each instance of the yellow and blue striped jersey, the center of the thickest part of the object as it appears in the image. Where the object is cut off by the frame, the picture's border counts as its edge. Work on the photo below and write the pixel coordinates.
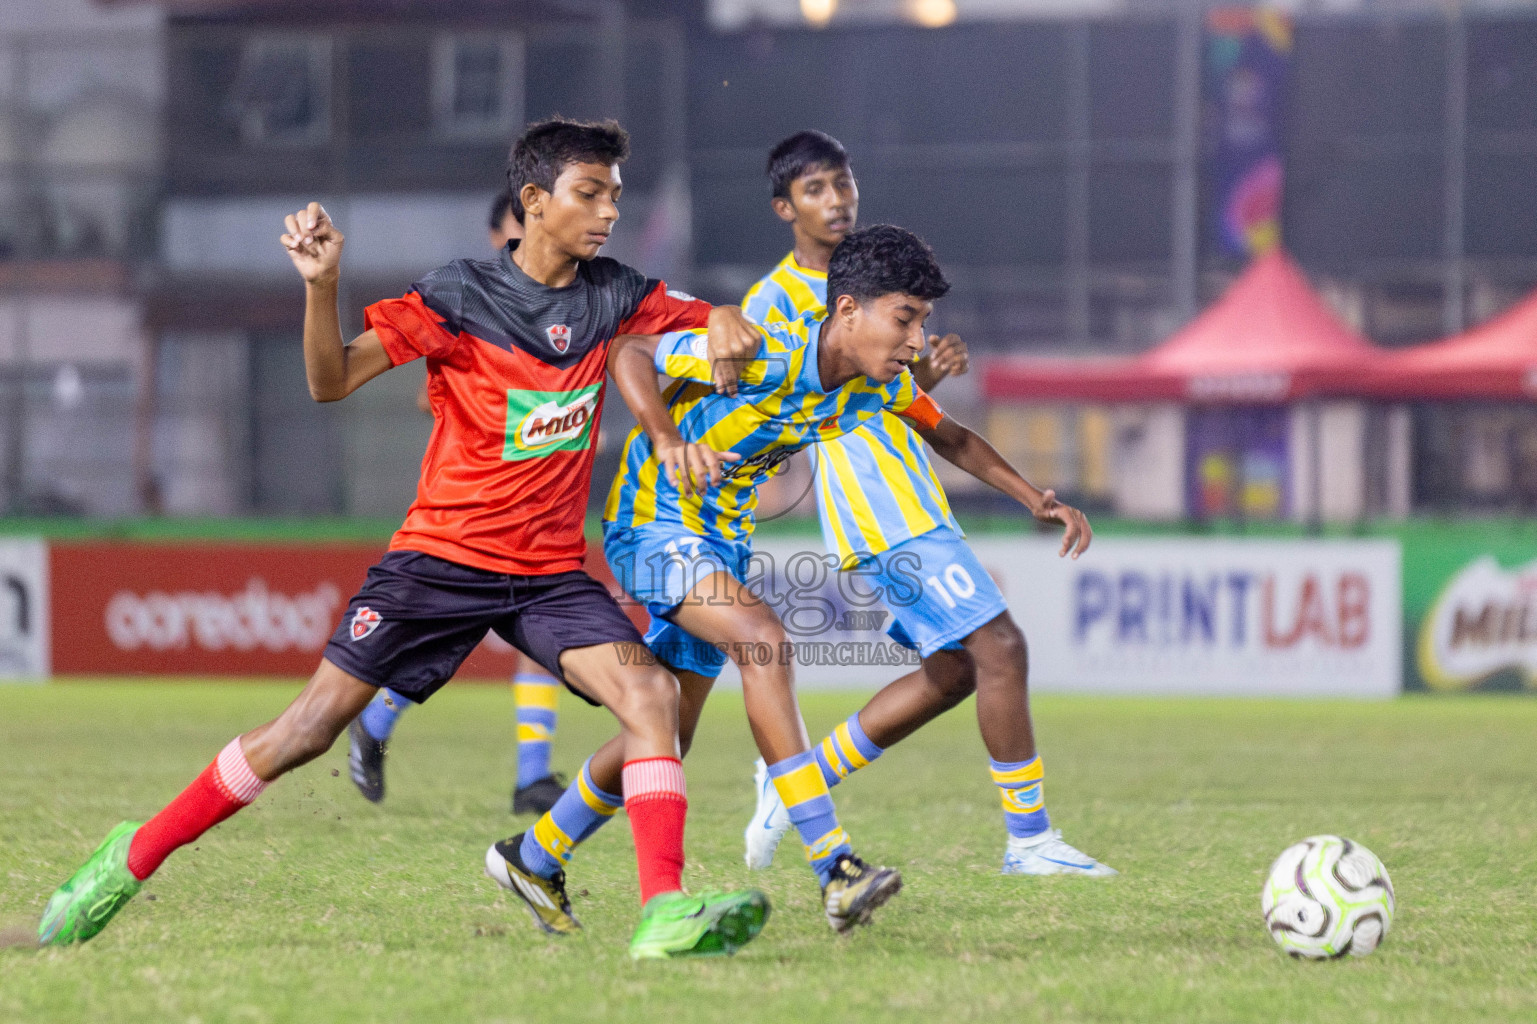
(875, 486)
(779, 408)
(787, 292)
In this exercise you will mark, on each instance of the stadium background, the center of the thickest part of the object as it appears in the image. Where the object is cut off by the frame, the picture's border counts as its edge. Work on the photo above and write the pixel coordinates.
(1100, 178)
(1077, 166)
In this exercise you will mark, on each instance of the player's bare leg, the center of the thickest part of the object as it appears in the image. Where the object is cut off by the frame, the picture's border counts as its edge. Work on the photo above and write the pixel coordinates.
(945, 679)
(643, 764)
(85, 903)
(902, 707)
(642, 694)
(1003, 694)
(309, 725)
(1003, 715)
(693, 690)
(720, 610)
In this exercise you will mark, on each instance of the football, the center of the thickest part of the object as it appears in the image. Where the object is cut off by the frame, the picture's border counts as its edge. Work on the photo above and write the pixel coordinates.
(1326, 897)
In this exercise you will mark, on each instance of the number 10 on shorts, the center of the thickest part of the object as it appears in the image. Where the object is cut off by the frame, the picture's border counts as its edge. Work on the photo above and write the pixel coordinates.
(954, 582)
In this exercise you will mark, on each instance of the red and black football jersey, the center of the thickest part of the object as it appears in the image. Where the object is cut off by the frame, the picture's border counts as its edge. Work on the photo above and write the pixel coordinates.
(515, 372)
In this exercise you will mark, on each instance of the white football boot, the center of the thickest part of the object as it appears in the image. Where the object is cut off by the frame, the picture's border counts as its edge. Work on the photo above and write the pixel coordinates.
(769, 822)
(1047, 854)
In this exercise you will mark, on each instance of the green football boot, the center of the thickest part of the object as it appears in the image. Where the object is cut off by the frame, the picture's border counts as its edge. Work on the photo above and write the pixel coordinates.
(674, 924)
(83, 905)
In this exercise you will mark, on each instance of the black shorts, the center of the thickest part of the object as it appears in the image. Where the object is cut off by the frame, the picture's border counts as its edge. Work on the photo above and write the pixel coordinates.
(418, 617)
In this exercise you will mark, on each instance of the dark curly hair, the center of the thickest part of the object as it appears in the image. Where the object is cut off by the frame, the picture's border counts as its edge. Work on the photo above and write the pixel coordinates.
(882, 259)
(803, 153)
(503, 202)
(547, 147)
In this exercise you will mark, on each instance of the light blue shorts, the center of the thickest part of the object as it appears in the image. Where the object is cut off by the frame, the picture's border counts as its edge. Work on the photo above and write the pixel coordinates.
(937, 590)
(658, 565)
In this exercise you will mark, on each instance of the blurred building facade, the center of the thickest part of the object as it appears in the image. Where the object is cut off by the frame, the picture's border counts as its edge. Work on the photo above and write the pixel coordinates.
(80, 94)
(398, 117)
(1056, 153)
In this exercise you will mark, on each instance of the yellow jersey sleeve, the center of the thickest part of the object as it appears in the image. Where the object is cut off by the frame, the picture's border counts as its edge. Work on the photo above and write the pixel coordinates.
(685, 355)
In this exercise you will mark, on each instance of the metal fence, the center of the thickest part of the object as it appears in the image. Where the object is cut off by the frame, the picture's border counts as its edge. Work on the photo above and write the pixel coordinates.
(1055, 165)
(1058, 167)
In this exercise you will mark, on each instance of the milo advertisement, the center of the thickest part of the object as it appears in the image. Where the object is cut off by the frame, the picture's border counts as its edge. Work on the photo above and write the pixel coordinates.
(1470, 608)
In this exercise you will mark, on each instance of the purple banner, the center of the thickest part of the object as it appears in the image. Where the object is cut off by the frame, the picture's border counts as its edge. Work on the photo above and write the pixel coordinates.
(1237, 462)
(1248, 55)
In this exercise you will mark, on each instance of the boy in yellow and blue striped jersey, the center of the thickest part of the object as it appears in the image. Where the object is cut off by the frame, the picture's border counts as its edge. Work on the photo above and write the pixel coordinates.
(680, 516)
(680, 513)
(879, 502)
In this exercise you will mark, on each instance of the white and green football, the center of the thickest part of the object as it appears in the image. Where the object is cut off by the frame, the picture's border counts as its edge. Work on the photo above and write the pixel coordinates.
(1326, 897)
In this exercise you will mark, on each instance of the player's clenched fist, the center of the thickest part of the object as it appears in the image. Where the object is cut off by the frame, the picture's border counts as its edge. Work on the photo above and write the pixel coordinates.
(945, 357)
(948, 356)
(313, 243)
(732, 341)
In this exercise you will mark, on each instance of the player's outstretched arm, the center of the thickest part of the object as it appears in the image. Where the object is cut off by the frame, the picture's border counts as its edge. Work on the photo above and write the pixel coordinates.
(334, 370)
(963, 447)
(689, 466)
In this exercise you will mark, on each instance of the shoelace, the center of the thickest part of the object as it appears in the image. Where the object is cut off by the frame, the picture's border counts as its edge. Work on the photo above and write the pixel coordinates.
(852, 868)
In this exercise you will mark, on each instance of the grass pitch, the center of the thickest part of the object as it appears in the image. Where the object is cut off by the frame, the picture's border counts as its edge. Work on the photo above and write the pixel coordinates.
(313, 906)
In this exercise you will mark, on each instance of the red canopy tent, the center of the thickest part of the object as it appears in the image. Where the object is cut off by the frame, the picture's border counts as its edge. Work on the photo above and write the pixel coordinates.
(1269, 339)
(1495, 360)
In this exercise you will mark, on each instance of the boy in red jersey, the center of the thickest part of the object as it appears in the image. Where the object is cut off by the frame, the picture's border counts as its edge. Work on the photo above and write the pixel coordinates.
(536, 693)
(516, 351)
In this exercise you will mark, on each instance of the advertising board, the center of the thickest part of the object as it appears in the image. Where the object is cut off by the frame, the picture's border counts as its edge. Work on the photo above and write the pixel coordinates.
(1470, 611)
(212, 609)
(24, 632)
(1149, 616)
(1217, 617)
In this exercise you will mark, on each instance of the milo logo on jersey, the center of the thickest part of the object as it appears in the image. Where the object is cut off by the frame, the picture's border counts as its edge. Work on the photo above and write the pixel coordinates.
(542, 422)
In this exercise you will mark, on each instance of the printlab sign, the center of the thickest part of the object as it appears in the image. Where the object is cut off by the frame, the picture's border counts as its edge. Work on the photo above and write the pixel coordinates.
(1153, 616)
(1221, 617)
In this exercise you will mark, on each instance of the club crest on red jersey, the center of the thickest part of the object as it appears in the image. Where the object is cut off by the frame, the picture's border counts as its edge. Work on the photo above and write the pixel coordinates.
(560, 337)
(364, 621)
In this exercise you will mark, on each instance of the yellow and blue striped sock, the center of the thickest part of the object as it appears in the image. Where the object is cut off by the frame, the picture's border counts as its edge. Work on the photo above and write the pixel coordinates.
(801, 786)
(845, 750)
(538, 697)
(381, 714)
(1021, 784)
(581, 810)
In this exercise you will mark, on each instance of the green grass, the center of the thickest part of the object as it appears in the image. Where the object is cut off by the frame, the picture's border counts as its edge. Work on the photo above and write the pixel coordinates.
(313, 906)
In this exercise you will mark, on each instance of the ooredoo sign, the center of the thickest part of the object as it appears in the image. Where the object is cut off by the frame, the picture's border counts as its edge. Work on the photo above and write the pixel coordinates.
(218, 609)
(204, 609)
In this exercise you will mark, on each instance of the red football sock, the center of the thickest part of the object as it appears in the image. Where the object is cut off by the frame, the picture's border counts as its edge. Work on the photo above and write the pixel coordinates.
(657, 803)
(222, 789)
